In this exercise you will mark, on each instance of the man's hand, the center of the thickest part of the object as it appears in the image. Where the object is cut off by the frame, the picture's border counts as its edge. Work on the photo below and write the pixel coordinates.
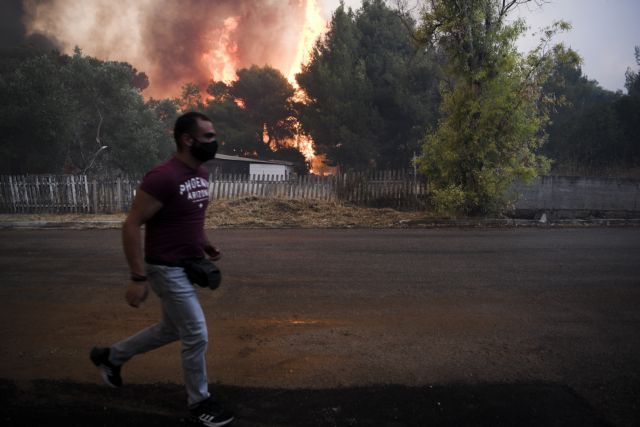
(136, 293)
(213, 252)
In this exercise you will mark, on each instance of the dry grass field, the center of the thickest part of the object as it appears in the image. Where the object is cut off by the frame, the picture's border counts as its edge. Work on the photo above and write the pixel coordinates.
(254, 212)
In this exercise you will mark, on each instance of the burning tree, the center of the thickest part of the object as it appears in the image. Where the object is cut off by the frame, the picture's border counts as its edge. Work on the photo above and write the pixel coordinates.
(371, 93)
(255, 114)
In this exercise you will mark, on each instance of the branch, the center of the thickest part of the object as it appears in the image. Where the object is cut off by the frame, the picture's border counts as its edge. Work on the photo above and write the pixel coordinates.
(99, 127)
(507, 5)
(525, 85)
(403, 12)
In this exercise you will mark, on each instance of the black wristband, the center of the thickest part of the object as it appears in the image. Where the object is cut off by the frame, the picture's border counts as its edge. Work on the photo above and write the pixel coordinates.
(138, 277)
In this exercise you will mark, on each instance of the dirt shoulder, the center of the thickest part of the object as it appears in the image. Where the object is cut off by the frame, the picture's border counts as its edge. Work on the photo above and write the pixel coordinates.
(254, 212)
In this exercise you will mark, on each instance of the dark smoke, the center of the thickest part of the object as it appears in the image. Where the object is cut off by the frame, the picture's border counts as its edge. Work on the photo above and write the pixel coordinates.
(13, 32)
(166, 39)
(176, 34)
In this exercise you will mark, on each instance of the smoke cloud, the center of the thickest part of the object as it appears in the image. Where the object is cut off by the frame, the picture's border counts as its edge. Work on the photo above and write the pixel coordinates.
(172, 41)
(13, 31)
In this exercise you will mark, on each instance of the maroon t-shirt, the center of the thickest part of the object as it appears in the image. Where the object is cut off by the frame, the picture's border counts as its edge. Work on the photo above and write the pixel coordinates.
(175, 232)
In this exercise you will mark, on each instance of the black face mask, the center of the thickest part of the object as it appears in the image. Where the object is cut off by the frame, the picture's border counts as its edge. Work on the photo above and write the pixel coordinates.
(203, 151)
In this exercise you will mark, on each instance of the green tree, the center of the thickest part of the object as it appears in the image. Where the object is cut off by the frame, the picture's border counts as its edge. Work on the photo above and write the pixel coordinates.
(190, 98)
(35, 109)
(110, 112)
(493, 111)
(404, 82)
(628, 112)
(584, 130)
(593, 131)
(75, 113)
(371, 93)
(256, 115)
(267, 97)
(238, 135)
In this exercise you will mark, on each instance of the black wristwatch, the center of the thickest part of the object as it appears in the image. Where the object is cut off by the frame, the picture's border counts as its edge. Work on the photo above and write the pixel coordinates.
(138, 277)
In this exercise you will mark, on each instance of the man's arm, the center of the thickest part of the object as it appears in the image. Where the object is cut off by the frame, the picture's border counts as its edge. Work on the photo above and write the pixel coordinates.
(209, 249)
(144, 207)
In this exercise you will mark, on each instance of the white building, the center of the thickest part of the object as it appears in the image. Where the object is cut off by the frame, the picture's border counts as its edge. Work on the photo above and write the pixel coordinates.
(276, 170)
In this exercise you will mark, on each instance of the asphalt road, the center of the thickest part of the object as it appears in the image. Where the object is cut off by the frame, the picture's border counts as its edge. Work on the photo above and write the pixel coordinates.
(442, 326)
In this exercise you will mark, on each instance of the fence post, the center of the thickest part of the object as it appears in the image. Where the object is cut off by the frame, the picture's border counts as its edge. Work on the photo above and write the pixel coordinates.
(86, 193)
(51, 197)
(119, 206)
(73, 193)
(14, 197)
(94, 191)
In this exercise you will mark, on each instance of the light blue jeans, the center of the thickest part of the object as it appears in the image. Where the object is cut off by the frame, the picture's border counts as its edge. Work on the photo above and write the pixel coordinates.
(183, 319)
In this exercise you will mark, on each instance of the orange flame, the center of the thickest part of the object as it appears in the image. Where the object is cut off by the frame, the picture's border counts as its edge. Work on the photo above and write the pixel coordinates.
(222, 60)
(278, 33)
(314, 27)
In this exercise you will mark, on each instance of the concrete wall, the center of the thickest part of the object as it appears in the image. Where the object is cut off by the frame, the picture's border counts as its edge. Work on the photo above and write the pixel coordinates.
(579, 196)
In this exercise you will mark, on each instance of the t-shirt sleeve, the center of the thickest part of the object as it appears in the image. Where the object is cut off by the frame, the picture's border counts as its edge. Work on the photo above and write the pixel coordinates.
(158, 184)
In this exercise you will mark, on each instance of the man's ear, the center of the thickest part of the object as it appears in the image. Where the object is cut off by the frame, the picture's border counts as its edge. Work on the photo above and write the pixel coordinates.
(186, 140)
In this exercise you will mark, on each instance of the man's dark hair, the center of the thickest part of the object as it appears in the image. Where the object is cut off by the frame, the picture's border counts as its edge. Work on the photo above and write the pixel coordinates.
(187, 123)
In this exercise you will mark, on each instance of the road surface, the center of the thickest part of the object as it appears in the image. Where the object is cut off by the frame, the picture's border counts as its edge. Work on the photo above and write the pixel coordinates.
(531, 326)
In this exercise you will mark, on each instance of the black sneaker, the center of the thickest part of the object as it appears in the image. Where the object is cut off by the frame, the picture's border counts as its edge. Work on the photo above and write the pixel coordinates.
(110, 372)
(211, 414)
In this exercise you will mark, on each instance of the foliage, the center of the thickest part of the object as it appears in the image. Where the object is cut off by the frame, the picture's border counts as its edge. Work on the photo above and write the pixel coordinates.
(371, 93)
(583, 125)
(628, 111)
(75, 113)
(268, 98)
(190, 98)
(33, 109)
(256, 115)
(493, 111)
(448, 199)
(593, 131)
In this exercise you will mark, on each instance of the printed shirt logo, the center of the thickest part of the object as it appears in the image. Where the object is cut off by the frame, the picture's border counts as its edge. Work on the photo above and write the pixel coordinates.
(196, 190)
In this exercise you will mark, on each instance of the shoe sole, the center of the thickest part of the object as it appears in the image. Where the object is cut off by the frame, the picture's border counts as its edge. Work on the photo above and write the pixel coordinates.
(105, 378)
(198, 421)
(103, 374)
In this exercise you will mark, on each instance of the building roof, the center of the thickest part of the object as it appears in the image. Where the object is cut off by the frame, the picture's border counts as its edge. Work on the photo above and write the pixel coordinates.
(227, 158)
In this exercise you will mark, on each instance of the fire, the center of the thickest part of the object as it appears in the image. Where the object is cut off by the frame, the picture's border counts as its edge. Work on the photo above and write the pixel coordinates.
(175, 42)
(314, 27)
(222, 60)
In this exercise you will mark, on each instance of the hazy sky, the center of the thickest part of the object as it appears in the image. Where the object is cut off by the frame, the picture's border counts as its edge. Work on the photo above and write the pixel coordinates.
(604, 33)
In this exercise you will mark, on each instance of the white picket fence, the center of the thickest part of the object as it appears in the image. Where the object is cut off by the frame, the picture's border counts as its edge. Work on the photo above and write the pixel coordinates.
(225, 187)
(93, 194)
(65, 194)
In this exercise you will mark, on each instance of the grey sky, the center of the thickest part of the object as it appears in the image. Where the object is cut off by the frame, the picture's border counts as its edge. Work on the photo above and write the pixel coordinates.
(604, 33)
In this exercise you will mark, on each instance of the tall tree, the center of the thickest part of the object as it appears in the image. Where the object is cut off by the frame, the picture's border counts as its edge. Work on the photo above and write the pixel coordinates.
(190, 97)
(256, 115)
(370, 92)
(584, 130)
(493, 112)
(110, 112)
(268, 98)
(238, 135)
(628, 111)
(75, 113)
(35, 110)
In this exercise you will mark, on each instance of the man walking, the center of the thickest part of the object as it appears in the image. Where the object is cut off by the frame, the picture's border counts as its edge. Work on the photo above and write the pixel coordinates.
(171, 203)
